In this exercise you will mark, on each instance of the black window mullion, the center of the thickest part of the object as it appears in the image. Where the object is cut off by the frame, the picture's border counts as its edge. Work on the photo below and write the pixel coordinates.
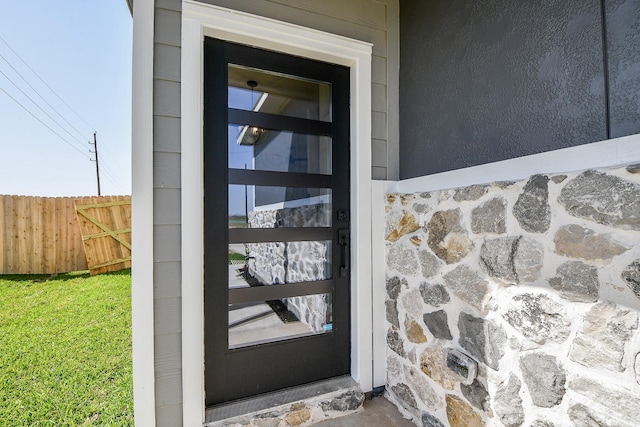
(265, 235)
(279, 179)
(277, 122)
(272, 292)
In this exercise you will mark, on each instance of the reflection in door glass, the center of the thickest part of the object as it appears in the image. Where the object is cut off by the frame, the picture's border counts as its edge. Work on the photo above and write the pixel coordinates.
(252, 206)
(275, 320)
(277, 263)
(281, 151)
(258, 90)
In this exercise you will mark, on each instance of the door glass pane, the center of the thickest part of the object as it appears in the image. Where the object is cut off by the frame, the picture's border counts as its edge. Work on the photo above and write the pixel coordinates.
(278, 263)
(280, 151)
(274, 263)
(252, 206)
(258, 90)
(275, 320)
(295, 266)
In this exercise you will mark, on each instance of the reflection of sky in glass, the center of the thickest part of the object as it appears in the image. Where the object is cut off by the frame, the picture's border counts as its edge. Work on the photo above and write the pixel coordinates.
(243, 99)
(237, 199)
(239, 156)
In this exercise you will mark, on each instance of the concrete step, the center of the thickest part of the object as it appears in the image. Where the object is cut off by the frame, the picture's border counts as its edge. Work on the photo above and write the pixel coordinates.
(377, 412)
(299, 406)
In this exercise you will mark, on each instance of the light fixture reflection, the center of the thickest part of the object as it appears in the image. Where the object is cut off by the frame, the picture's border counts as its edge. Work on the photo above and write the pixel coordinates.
(251, 135)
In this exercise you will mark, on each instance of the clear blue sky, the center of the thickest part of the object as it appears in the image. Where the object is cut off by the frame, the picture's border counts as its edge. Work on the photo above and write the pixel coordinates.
(82, 50)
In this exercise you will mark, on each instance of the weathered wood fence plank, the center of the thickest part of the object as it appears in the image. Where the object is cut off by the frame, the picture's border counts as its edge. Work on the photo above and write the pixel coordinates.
(42, 235)
(106, 232)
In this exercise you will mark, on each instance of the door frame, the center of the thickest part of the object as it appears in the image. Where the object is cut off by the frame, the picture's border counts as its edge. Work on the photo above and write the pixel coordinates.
(248, 370)
(200, 20)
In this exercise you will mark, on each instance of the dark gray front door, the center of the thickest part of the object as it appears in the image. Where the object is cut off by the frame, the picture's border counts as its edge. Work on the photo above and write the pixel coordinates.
(276, 150)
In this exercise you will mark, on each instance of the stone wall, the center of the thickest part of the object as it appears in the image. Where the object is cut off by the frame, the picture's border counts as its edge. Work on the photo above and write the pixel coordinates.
(294, 262)
(538, 281)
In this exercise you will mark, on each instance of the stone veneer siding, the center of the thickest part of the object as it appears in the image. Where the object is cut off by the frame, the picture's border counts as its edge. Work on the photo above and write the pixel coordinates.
(537, 280)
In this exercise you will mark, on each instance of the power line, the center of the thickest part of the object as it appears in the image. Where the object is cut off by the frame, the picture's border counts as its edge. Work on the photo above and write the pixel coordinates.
(112, 179)
(38, 93)
(41, 109)
(105, 170)
(108, 171)
(45, 125)
(109, 174)
(45, 83)
(106, 152)
(116, 184)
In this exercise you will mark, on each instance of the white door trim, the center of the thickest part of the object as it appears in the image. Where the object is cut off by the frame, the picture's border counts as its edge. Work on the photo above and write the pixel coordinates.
(144, 406)
(200, 20)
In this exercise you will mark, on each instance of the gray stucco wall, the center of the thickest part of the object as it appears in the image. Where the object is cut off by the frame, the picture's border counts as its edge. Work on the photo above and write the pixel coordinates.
(488, 81)
(623, 57)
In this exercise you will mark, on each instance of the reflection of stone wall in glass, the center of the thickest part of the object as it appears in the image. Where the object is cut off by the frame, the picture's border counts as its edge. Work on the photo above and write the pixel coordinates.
(318, 215)
(294, 262)
(306, 261)
(267, 262)
(313, 310)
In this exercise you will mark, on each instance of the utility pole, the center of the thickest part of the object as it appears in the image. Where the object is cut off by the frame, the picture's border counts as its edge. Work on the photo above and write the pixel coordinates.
(95, 151)
(246, 201)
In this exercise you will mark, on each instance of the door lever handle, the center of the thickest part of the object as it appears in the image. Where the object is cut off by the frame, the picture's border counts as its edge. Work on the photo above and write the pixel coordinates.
(344, 240)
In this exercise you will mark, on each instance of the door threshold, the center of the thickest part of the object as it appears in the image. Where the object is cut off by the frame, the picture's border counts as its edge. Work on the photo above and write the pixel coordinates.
(302, 406)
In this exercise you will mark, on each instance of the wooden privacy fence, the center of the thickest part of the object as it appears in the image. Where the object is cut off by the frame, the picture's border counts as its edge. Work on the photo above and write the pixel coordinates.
(105, 224)
(43, 235)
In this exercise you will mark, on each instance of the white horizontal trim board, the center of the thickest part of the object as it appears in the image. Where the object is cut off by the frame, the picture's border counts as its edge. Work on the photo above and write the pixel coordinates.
(200, 20)
(601, 154)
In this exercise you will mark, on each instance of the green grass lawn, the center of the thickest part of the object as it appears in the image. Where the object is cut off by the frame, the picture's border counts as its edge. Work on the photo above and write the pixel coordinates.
(65, 350)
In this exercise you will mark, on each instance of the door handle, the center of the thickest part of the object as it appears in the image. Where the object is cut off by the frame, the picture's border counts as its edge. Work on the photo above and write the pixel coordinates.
(344, 240)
